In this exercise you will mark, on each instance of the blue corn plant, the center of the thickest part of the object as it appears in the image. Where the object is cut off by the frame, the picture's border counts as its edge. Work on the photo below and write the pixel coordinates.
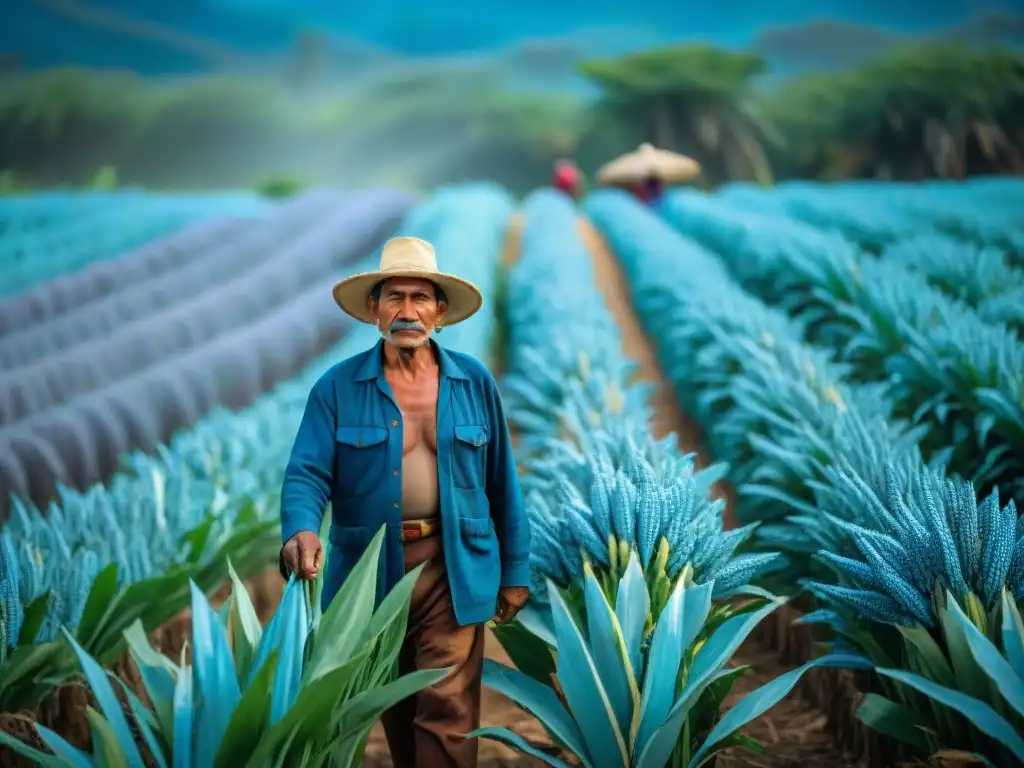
(982, 685)
(599, 488)
(592, 475)
(983, 212)
(926, 559)
(95, 603)
(304, 690)
(627, 499)
(945, 364)
(978, 276)
(573, 353)
(624, 694)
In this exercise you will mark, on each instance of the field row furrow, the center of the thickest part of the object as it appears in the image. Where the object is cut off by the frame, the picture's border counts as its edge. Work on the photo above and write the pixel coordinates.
(32, 257)
(292, 274)
(65, 292)
(226, 260)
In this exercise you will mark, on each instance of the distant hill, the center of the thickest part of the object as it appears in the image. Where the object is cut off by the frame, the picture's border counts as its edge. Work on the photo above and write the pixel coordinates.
(833, 45)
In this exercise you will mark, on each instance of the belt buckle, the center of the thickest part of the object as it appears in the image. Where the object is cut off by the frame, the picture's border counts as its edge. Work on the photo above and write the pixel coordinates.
(412, 534)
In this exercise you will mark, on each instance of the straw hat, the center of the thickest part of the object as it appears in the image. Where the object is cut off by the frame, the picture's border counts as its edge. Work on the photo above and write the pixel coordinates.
(646, 161)
(408, 257)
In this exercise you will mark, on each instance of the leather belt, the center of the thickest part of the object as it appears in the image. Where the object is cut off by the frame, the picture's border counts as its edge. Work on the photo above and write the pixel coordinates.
(415, 530)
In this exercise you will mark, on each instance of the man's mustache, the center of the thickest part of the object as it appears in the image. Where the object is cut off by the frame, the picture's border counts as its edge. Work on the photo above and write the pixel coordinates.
(406, 325)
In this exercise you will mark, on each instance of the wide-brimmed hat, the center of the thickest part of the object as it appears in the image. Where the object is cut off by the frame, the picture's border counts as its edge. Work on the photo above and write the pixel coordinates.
(646, 161)
(408, 257)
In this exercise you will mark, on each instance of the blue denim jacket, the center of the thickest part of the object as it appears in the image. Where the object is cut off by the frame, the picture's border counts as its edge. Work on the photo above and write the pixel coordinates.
(348, 452)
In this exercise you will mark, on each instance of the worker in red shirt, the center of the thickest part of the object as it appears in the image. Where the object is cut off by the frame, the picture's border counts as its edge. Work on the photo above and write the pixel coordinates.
(568, 178)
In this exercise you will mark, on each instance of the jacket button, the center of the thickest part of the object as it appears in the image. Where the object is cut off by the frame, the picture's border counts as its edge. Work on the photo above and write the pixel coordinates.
(394, 423)
(396, 505)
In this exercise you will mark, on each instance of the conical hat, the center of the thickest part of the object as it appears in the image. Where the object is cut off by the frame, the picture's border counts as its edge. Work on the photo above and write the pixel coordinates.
(408, 257)
(646, 161)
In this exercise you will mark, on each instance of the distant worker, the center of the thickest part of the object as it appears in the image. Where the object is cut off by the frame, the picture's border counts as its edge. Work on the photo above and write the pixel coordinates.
(568, 179)
(649, 190)
(648, 171)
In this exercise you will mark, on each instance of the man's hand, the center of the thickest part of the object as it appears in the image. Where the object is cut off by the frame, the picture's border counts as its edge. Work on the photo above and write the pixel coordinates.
(302, 555)
(510, 602)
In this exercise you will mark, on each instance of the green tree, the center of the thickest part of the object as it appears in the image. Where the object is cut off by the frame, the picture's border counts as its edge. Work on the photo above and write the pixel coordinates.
(695, 99)
(920, 112)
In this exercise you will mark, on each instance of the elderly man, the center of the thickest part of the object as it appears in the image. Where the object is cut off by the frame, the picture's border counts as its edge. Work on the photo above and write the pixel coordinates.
(414, 436)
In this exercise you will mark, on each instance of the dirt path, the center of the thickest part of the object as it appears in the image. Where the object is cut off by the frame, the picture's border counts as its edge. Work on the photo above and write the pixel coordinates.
(668, 417)
(794, 732)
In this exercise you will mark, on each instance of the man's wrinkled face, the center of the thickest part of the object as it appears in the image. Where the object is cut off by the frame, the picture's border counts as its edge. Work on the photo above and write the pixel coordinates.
(407, 311)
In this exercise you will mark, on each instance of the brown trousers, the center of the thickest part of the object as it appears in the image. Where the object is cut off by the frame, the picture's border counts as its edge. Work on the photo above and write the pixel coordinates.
(427, 730)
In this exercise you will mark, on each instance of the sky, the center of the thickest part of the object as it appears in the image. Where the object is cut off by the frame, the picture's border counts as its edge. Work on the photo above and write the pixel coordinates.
(168, 37)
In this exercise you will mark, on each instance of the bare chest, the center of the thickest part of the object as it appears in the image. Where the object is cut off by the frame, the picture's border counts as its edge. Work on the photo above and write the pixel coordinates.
(418, 403)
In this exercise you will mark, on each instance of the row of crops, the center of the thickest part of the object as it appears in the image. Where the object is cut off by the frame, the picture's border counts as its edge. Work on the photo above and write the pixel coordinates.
(847, 355)
(848, 418)
(76, 230)
(647, 595)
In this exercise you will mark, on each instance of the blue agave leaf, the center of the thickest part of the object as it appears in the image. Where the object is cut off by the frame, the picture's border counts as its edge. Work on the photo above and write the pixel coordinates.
(107, 700)
(1013, 635)
(759, 701)
(273, 634)
(39, 757)
(288, 675)
(632, 605)
(539, 622)
(67, 754)
(723, 643)
(540, 701)
(157, 673)
(216, 682)
(184, 721)
(659, 747)
(678, 626)
(584, 691)
(988, 658)
(518, 743)
(144, 718)
(980, 714)
(608, 649)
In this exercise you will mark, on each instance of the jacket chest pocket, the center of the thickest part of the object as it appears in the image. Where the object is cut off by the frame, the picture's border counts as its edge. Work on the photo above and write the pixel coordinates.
(360, 460)
(469, 456)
